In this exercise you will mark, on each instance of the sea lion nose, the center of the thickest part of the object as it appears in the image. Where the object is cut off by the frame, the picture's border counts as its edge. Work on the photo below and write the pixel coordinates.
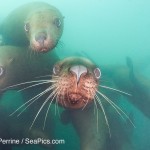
(78, 70)
(41, 37)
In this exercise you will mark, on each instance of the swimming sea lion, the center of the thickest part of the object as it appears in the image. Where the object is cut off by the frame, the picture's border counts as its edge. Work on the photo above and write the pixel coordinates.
(74, 85)
(37, 24)
(77, 82)
(18, 65)
(127, 79)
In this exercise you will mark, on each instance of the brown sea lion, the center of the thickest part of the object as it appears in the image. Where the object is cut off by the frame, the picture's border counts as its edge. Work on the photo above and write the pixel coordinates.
(77, 80)
(126, 79)
(18, 65)
(37, 24)
(75, 84)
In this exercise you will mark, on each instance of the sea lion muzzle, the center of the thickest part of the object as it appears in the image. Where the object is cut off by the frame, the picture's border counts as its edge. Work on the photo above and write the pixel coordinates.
(41, 37)
(78, 70)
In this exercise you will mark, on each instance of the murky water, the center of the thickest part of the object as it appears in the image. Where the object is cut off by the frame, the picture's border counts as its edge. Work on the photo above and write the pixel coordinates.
(106, 31)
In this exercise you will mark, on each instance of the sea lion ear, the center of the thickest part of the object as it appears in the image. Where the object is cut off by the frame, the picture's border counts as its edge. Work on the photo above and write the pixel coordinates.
(2, 70)
(97, 73)
(27, 27)
(57, 22)
(56, 69)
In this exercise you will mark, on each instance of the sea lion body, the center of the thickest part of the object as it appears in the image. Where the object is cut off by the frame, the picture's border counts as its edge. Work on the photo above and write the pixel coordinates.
(77, 80)
(90, 120)
(37, 24)
(18, 65)
(127, 79)
(91, 127)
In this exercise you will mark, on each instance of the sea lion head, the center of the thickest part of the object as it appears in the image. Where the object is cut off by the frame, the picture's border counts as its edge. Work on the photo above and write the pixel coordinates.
(77, 80)
(44, 28)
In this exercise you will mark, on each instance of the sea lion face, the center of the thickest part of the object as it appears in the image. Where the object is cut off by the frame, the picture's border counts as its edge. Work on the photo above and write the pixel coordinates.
(77, 82)
(44, 29)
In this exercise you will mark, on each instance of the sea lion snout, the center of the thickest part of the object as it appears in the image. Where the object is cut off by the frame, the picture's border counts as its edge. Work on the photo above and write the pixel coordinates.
(78, 70)
(40, 41)
(41, 37)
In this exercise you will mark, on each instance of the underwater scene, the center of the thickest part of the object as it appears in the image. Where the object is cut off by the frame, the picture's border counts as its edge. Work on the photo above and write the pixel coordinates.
(74, 75)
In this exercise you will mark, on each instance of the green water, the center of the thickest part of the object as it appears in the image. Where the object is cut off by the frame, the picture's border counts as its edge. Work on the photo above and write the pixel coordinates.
(107, 31)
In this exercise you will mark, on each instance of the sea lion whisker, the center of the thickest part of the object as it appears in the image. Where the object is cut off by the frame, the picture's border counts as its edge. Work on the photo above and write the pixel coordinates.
(63, 100)
(106, 87)
(103, 110)
(48, 110)
(23, 83)
(95, 104)
(48, 98)
(57, 107)
(117, 108)
(33, 102)
(56, 102)
(85, 104)
(46, 76)
(32, 99)
(32, 86)
(111, 103)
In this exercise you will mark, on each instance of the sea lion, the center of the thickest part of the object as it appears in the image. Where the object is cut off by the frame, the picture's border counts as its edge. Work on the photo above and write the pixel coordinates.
(75, 83)
(77, 80)
(127, 79)
(37, 24)
(18, 65)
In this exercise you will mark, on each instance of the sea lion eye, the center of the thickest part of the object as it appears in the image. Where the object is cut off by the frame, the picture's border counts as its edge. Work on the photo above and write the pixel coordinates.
(97, 73)
(56, 69)
(1, 71)
(27, 27)
(57, 22)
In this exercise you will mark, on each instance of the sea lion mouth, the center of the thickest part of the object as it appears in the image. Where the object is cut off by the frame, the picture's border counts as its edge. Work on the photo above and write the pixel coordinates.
(42, 45)
(75, 98)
